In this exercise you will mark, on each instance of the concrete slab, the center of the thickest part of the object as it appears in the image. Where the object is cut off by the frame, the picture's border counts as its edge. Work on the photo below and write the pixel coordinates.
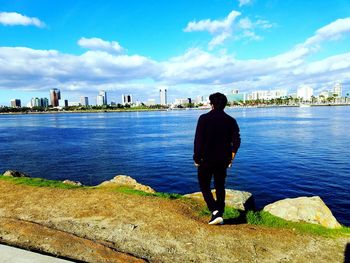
(15, 255)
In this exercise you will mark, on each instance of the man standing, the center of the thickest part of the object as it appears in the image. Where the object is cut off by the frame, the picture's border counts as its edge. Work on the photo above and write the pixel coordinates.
(215, 145)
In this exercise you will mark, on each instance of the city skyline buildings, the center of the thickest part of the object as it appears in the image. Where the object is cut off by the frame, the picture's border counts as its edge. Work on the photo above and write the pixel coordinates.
(305, 92)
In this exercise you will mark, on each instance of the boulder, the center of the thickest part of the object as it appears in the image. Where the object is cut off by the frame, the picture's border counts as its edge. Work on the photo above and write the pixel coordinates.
(76, 183)
(237, 199)
(123, 180)
(304, 209)
(13, 173)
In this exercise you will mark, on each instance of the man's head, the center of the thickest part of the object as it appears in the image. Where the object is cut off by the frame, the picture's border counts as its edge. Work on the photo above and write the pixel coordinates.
(218, 101)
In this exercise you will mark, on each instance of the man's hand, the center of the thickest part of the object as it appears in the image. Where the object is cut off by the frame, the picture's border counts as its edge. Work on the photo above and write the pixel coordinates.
(196, 164)
(233, 157)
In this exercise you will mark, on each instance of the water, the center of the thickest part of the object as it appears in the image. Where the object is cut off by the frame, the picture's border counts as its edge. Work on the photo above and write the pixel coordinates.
(285, 152)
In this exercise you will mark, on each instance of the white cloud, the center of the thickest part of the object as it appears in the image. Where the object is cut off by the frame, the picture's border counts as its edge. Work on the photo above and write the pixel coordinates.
(332, 31)
(244, 2)
(286, 70)
(249, 28)
(220, 29)
(100, 44)
(21, 68)
(245, 23)
(213, 26)
(218, 40)
(14, 19)
(197, 71)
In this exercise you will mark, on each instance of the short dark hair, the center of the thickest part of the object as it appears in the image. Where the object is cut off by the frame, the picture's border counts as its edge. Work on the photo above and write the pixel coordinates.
(218, 100)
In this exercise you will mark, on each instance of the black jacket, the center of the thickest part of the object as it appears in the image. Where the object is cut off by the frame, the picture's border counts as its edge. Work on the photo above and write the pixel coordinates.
(217, 136)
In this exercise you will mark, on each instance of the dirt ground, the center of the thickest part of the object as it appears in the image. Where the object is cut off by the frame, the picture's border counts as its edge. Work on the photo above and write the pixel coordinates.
(97, 225)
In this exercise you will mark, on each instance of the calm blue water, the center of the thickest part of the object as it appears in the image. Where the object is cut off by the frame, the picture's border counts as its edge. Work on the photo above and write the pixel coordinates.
(285, 152)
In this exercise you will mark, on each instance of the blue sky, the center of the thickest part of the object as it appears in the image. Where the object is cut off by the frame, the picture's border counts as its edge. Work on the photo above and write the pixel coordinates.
(190, 47)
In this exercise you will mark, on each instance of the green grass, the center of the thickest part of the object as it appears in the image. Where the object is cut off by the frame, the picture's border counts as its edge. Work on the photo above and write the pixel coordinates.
(38, 182)
(128, 190)
(263, 218)
(230, 213)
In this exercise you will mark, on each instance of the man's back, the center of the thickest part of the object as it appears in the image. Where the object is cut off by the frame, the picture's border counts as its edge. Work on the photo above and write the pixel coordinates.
(217, 136)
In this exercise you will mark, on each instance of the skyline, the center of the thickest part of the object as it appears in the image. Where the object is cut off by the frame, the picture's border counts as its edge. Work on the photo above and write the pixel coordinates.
(139, 48)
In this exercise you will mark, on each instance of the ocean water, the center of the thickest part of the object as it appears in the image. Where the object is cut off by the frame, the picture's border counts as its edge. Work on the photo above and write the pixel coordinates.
(285, 152)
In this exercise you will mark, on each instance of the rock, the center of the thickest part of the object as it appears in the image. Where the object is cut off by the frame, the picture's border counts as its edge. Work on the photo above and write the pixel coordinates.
(13, 173)
(123, 180)
(304, 209)
(76, 183)
(237, 199)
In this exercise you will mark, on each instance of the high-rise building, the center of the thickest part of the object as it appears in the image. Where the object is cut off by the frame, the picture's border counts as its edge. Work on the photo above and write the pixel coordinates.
(36, 102)
(182, 102)
(236, 96)
(338, 89)
(39, 102)
(44, 102)
(199, 99)
(16, 103)
(163, 96)
(126, 99)
(55, 96)
(100, 100)
(104, 96)
(84, 101)
(305, 92)
(267, 94)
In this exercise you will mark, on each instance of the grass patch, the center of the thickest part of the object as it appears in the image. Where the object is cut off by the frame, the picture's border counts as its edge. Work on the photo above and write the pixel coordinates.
(38, 182)
(230, 213)
(128, 190)
(266, 219)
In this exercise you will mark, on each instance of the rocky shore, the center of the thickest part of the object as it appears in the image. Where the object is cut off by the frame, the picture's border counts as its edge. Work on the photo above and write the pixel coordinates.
(106, 223)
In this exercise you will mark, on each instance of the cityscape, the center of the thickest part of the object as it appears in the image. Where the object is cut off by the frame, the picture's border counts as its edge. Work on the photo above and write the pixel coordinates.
(304, 95)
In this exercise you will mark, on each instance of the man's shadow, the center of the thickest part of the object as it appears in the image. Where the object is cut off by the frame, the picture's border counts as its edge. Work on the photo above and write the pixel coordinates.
(241, 219)
(347, 253)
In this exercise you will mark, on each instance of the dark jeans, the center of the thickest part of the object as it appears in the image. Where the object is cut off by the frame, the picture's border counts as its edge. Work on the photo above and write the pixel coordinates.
(205, 174)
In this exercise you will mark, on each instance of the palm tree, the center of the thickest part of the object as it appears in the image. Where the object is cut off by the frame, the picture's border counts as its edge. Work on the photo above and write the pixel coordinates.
(313, 99)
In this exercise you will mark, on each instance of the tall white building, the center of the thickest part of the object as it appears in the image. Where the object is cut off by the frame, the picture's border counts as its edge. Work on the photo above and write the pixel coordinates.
(305, 92)
(126, 99)
(267, 94)
(163, 96)
(103, 94)
(100, 100)
(84, 101)
(338, 89)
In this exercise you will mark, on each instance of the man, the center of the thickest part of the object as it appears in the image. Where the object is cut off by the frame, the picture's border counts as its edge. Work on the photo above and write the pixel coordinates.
(215, 146)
